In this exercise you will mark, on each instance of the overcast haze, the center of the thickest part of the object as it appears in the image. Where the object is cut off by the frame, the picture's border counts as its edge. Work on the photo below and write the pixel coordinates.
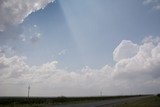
(79, 47)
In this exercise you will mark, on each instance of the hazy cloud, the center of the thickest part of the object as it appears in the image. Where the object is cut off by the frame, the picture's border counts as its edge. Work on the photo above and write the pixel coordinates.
(63, 52)
(28, 33)
(154, 3)
(149, 1)
(33, 34)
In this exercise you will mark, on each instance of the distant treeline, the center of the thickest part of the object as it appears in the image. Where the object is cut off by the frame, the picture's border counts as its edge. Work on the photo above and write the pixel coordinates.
(55, 100)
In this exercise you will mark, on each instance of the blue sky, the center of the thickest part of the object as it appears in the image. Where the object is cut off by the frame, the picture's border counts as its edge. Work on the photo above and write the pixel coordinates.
(79, 47)
(89, 30)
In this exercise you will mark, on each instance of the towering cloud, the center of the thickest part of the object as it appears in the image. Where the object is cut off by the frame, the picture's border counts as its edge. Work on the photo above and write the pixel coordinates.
(126, 49)
(144, 63)
(13, 12)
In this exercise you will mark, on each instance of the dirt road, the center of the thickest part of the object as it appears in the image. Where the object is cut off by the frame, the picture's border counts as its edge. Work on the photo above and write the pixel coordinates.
(105, 103)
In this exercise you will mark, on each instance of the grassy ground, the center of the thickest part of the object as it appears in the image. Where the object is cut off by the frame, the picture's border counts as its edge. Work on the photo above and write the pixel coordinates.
(23, 105)
(41, 101)
(153, 101)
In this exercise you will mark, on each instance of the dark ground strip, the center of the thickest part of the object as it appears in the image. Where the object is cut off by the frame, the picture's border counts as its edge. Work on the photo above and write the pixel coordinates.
(105, 103)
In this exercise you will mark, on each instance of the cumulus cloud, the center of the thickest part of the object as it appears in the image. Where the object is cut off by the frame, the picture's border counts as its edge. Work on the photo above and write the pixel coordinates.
(8, 51)
(14, 12)
(126, 49)
(145, 62)
(148, 39)
(136, 73)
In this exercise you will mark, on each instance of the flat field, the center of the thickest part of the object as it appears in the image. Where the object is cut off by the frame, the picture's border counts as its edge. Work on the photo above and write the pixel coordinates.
(119, 101)
(153, 101)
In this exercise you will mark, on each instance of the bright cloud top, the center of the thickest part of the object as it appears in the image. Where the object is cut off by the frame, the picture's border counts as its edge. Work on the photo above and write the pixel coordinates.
(13, 12)
(137, 69)
(126, 49)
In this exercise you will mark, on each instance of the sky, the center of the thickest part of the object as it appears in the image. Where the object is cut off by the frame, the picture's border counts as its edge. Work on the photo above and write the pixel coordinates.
(79, 47)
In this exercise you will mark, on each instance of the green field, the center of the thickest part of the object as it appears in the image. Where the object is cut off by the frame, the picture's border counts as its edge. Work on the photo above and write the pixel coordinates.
(153, 101)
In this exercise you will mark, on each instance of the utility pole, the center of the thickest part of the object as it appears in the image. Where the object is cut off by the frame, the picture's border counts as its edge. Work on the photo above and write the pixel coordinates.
(100, 93)
(28, 90)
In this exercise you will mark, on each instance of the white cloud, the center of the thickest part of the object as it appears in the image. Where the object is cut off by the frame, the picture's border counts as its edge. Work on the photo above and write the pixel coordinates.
(35, 25)
(63, 52)
(141, 64)
(135, 73)
(151, 39)
(8, 51)
(14, 12)
(126, 49)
